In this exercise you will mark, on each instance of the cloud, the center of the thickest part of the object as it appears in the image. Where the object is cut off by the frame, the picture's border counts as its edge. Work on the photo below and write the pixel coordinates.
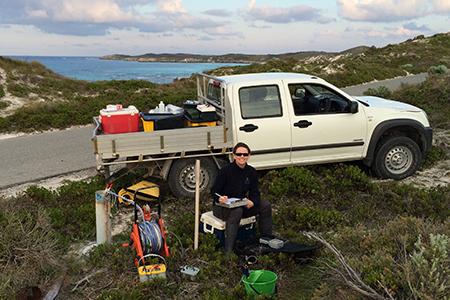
(441, 6)
(96, 17)
(223, 32)
(217, 12)
(403, 32)
(171, 6)
(414, 26)
(382, 10)
(272, 14)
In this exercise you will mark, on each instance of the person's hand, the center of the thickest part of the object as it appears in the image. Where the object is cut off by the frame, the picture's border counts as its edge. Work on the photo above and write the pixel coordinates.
(223, 199)
(250, 203)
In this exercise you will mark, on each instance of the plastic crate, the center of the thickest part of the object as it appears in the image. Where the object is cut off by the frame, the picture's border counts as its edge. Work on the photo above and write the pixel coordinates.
(151, 122)
(210, 224)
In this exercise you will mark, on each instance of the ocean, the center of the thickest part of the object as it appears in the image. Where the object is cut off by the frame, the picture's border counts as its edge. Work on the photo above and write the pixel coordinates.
(94, 68)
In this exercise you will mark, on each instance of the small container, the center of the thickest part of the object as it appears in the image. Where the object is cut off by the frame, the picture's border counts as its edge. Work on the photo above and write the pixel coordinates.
(166, 109)
(115, 119)
(201, 115)
(200, 124)
(190, 104)
(158, 121)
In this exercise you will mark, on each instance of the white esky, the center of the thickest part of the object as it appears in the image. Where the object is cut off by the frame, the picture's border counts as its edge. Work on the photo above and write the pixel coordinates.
(101, 27)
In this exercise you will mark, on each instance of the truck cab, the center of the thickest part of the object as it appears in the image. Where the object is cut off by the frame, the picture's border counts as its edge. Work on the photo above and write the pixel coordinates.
(290, 118)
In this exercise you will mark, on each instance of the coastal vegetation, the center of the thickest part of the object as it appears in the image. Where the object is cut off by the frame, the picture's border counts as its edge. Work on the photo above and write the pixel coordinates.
(224, 58)
(48, 100)
(394, 235)
(53, 101)
(410, 57)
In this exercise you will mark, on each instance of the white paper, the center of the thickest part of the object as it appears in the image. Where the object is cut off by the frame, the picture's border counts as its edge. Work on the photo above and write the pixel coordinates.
(232, 200)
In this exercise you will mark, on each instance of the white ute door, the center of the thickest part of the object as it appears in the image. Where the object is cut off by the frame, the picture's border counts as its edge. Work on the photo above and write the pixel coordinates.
(323, 128)
(262, 121)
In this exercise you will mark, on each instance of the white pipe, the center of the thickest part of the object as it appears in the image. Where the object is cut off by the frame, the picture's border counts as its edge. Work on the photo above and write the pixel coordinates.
(102, 220)
(197, 202)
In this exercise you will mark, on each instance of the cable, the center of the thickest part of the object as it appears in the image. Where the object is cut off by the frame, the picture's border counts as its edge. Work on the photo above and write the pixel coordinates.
(179, 241)
(141, 212)
(151, 237)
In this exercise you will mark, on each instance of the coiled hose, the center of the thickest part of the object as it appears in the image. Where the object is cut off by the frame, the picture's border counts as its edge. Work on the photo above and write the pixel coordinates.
(151, 237)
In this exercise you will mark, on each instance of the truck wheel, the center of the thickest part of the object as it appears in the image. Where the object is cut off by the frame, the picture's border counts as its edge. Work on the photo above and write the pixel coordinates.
(182, 177)
(397, 158)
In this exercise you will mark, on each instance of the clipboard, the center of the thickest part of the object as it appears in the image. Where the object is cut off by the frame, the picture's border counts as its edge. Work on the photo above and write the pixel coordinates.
(233, 202)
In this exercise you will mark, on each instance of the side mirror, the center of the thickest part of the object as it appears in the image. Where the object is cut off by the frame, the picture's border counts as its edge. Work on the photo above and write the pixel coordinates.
(353, 107)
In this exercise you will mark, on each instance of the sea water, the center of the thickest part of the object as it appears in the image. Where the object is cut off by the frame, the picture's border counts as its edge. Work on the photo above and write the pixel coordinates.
(94, 68)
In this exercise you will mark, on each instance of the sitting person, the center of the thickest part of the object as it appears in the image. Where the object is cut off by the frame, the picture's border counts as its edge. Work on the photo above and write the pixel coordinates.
(239, 180)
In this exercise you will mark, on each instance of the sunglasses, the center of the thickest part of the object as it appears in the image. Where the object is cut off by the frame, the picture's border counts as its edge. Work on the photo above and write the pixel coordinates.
(241, 154)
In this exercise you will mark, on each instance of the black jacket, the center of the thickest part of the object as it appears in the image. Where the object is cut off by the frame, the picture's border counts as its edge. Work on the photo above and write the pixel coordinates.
(235, 182)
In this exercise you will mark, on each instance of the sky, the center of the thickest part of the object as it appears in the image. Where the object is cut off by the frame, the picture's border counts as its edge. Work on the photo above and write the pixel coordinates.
(134, 27)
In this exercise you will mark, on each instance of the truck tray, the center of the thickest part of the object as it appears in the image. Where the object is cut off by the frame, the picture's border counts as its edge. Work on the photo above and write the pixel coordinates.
(161, 142)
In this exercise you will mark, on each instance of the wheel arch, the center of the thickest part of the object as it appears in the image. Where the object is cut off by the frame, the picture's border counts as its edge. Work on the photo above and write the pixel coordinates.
(399, 127)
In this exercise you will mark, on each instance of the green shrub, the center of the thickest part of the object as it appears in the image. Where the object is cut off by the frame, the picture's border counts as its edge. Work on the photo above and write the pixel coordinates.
(2, 92)
(390, 256)
(435, 155)
(428, 268)
(309, 218)
(297, 181)
(440, 69)
(29, 248)
(71, 208)
(430, 203)
(18, 90)
(344, 178)
(381, 91)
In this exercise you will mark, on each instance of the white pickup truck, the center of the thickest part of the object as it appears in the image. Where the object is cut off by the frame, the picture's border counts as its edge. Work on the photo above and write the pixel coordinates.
(286, 119)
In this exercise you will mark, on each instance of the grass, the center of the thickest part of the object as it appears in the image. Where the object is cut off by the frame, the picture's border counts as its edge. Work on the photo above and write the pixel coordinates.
(371, 223)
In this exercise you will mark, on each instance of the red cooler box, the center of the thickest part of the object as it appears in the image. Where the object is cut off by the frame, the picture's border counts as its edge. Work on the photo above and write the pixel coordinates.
(115, 119)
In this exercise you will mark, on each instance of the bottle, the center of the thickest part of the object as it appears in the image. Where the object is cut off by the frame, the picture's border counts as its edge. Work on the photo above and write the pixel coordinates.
(161, 107)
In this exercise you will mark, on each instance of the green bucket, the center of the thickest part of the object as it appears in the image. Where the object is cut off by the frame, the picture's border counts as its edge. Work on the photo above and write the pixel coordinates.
(260, 282)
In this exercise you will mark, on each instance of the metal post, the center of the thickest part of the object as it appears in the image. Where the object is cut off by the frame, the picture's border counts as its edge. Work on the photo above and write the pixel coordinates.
(102, 220)
(197, 202)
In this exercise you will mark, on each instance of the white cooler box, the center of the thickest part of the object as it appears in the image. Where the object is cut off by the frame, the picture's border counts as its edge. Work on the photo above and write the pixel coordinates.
(212, 225)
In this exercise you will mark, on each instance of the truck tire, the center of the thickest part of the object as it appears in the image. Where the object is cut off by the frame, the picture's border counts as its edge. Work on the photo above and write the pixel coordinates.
(396, 158)
(182, 177)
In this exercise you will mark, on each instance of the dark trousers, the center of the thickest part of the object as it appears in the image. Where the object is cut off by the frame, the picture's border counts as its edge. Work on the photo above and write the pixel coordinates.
(232, 217)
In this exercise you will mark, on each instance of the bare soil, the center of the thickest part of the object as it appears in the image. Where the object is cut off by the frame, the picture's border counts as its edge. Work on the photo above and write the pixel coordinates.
(14, 102)
(439, 174)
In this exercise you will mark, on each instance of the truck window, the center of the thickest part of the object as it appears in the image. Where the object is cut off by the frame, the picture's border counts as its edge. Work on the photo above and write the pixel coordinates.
(260, 102)
(316, 99)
